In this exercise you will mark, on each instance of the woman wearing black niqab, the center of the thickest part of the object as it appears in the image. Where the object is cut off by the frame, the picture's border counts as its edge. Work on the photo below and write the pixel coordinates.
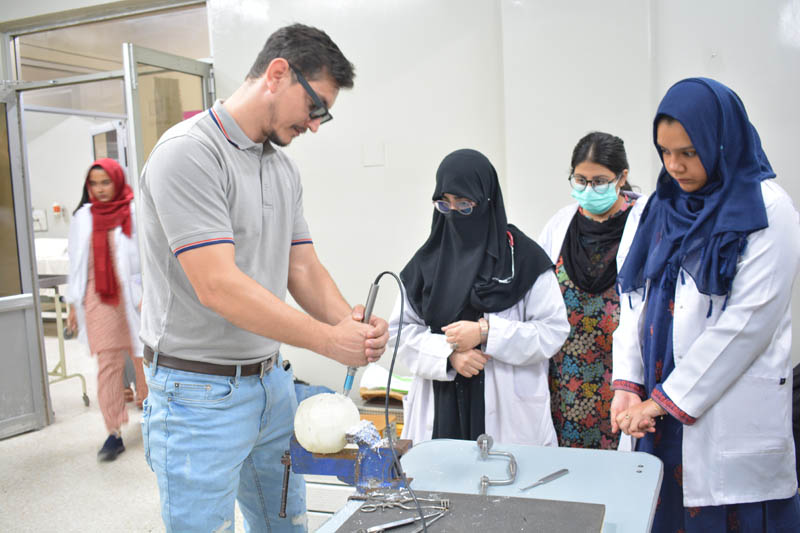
(484, 314)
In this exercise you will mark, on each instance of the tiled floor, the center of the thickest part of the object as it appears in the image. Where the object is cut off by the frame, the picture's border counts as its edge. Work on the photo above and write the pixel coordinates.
(50, 480)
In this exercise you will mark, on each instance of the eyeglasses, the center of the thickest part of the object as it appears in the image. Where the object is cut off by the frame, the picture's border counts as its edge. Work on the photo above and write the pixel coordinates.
(599, 183)
(318, 110)
(464, 207)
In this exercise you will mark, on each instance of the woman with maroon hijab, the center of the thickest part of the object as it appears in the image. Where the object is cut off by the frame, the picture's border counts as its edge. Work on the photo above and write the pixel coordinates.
(105, 287)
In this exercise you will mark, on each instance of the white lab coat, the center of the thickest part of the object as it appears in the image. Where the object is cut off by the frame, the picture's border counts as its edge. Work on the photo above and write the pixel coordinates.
(126, 266)
(521, 341)
(733, 369)
(552, 239)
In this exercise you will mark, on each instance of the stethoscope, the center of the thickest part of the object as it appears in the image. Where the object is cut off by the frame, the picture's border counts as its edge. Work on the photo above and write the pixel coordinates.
(507, 280)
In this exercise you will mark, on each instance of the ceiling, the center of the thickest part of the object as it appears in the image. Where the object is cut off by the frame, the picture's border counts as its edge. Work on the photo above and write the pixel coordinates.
(97, 46)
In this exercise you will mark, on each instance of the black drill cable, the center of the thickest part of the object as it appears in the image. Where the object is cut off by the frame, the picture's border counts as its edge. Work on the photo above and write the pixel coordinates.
(389, 435)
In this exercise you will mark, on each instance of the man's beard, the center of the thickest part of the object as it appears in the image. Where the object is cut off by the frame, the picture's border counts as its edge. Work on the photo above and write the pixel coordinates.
(274, 139)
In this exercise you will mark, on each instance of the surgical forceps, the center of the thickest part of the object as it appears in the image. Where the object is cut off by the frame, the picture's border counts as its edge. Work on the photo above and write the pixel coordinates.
(404, 502)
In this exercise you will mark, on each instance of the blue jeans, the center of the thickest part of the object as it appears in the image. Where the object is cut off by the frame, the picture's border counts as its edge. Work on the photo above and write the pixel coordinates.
(213, 439)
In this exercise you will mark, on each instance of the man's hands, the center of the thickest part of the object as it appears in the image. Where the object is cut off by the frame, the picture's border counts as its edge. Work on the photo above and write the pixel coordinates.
(469, 363)
(355, 344)
(377, 335)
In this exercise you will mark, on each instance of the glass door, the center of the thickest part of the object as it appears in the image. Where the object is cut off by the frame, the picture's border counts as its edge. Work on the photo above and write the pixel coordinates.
(23, 394)
(110, 140)
(160, 90)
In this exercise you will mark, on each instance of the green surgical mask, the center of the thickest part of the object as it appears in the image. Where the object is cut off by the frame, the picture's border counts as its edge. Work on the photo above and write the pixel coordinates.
(594, 202)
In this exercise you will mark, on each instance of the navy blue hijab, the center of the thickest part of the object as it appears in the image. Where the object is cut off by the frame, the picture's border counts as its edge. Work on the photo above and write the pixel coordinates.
(703, 232)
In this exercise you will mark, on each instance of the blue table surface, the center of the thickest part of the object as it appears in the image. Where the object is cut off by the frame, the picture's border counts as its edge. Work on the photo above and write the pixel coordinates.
(627, 483)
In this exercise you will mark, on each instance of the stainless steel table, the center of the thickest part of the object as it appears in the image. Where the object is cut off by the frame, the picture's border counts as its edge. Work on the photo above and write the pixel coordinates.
(627, 483)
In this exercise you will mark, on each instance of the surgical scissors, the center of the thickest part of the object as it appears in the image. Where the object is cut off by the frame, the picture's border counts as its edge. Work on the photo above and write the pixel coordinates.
(401, 499)
(370, 506)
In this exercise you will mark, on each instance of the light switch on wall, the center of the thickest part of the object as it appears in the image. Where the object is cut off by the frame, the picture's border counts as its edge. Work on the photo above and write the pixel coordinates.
(39, 220)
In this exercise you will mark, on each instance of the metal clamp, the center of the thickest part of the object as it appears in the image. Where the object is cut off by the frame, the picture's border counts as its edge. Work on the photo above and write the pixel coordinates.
(286, 461)
(484, 445)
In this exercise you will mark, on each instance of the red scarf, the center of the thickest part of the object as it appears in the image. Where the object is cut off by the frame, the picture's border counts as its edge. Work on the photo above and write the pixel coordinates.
(107, 216)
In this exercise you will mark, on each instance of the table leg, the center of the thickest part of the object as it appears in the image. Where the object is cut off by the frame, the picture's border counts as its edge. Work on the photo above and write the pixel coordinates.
(60, 370)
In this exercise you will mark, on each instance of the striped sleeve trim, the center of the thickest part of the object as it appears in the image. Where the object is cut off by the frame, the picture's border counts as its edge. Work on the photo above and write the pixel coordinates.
(302, 241)
(661, 398)
(630, 386)
(200, 244)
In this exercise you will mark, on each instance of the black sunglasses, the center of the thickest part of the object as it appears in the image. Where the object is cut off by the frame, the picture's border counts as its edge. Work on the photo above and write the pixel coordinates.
(319, 110)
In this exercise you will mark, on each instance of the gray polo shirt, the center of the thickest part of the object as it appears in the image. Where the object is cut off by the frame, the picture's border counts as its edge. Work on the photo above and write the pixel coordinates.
(206, 183)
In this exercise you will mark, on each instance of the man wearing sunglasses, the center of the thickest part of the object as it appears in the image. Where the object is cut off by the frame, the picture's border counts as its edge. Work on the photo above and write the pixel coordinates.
(224, 238)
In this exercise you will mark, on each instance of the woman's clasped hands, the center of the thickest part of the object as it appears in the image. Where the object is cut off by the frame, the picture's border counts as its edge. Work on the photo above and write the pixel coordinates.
(463, 336)
(633, 416)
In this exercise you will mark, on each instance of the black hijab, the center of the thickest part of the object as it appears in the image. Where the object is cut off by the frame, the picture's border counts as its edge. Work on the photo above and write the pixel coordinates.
(455, 273)
(590, 251)
(454, 276)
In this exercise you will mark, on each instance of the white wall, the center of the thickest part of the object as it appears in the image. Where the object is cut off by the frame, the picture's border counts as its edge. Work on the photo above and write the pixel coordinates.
(428, 81)
(751, 50)
(521, 80)
(571, 68)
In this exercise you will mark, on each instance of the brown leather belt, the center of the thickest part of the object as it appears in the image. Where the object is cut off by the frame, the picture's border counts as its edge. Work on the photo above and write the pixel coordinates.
(176, 363)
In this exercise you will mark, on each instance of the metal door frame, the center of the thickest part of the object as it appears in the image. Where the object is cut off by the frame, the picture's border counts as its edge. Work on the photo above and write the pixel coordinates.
(11, 94)
(133, 55)
(28, 300)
